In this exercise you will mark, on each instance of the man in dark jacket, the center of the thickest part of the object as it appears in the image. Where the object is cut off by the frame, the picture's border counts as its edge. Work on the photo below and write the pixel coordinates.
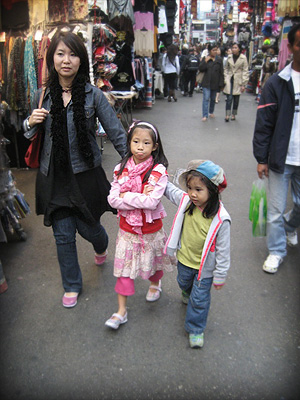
(276, 147)
(190, 67)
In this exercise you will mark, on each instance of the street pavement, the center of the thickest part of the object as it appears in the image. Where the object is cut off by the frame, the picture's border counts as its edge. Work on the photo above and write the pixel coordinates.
(252, 343)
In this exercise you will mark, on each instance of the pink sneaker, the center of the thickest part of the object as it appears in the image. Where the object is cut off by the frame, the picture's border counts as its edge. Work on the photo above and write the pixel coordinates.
(99, 260)
(69, 302)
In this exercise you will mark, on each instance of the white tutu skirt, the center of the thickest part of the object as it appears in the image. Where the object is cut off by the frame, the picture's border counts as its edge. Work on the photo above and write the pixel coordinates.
(141, 255)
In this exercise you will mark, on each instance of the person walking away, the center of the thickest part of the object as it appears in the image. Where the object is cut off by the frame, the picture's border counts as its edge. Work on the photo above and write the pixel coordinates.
(182, 58)
(200, 236)
(213, 80)
(139, 183)
(218, 93)
(236, 76)
(171, 69)
(71, 186)
(190, 67)
(276, 147)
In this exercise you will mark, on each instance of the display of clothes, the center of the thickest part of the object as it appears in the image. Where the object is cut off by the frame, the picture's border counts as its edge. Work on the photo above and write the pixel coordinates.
(144, 34)
(104, 56)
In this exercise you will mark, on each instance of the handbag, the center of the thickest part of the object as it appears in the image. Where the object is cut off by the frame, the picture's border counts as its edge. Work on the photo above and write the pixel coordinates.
(258, 208)
(32, 156)
(199, 77)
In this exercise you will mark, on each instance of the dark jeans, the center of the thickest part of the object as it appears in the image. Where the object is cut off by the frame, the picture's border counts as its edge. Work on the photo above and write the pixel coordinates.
(232, 98)
(189, 78)
(64, 231)
(199, 302)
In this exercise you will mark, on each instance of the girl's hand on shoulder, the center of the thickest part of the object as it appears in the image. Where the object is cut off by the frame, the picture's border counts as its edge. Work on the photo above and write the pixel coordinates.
(122, 195)
(148, 189)
(37, 116)
(218, 287)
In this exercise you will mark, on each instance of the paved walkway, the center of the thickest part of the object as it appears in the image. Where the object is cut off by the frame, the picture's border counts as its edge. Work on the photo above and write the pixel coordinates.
(252, 343)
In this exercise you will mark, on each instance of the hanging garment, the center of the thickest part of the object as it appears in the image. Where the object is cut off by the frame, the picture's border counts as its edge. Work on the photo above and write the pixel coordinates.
(58, 10)
(144, 43)
(143, 5)
(16, 87)
(78, 9)
(42, 70)
(162, 18)
(29, 71)
(37, 11)
(15, 15)
(143, 21)
(120, 7)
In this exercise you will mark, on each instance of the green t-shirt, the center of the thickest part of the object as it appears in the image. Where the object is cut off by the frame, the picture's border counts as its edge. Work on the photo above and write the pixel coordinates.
(194, 232)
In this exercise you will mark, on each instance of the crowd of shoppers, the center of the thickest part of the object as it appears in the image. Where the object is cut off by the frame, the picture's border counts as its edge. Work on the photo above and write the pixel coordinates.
(223, 69)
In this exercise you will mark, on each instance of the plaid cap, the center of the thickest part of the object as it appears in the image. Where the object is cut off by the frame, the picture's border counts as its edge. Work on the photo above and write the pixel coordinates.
(207, 168)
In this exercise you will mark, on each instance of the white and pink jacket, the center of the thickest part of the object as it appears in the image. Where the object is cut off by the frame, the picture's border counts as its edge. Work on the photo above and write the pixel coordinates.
(150, 204)
(215, 260)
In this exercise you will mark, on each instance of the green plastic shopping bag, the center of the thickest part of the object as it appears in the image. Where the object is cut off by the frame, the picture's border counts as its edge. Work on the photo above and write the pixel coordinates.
(258, 208)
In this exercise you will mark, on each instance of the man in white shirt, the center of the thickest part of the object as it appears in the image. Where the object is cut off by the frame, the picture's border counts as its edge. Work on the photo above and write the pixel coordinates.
(276, 147)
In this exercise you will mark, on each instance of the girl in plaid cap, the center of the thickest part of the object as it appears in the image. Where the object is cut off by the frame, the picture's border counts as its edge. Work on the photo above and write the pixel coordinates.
(200, 237)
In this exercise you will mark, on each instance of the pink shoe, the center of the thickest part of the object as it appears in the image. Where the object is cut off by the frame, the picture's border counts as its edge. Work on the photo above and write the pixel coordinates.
(69, 302)
(155, 295)
(99, 260)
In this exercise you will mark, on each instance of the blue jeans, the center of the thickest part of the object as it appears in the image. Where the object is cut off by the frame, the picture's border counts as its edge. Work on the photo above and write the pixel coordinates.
(278, 223)
(209, 96)
(64, 231)
(199, 302)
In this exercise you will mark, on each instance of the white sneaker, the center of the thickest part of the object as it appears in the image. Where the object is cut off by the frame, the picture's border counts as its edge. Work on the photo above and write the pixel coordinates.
(292, 239)
(272, 263)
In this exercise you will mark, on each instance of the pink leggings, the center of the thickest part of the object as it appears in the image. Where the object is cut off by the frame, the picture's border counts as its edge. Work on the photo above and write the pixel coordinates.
(125, 286)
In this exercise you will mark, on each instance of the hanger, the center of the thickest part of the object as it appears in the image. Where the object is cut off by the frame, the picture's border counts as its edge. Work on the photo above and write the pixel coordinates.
(144, 29)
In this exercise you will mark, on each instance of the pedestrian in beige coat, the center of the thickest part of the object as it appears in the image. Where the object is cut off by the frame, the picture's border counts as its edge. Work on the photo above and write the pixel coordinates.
(236, 76)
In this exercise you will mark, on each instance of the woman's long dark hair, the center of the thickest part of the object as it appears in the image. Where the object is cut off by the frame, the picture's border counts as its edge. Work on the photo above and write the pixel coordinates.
(172, 52)
(76, 44)
(158, 154)
(213, 204)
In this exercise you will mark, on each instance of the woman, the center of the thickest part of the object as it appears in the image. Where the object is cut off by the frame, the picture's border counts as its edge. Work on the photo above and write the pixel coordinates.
(71, 186)
(171, 70)
(213, 80)
(236, 77)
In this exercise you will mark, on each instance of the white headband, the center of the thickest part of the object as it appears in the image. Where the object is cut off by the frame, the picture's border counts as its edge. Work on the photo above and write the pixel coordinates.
(150, 126)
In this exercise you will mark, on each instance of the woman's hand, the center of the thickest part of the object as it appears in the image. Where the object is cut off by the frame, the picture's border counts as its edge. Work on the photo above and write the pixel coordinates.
(38, 116)
(242, 89)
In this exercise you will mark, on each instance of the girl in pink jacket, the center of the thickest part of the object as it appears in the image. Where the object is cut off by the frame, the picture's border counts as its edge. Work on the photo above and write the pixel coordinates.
(136, 191)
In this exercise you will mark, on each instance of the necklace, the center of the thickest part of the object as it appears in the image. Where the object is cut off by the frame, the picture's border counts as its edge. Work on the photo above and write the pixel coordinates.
(67, 90)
